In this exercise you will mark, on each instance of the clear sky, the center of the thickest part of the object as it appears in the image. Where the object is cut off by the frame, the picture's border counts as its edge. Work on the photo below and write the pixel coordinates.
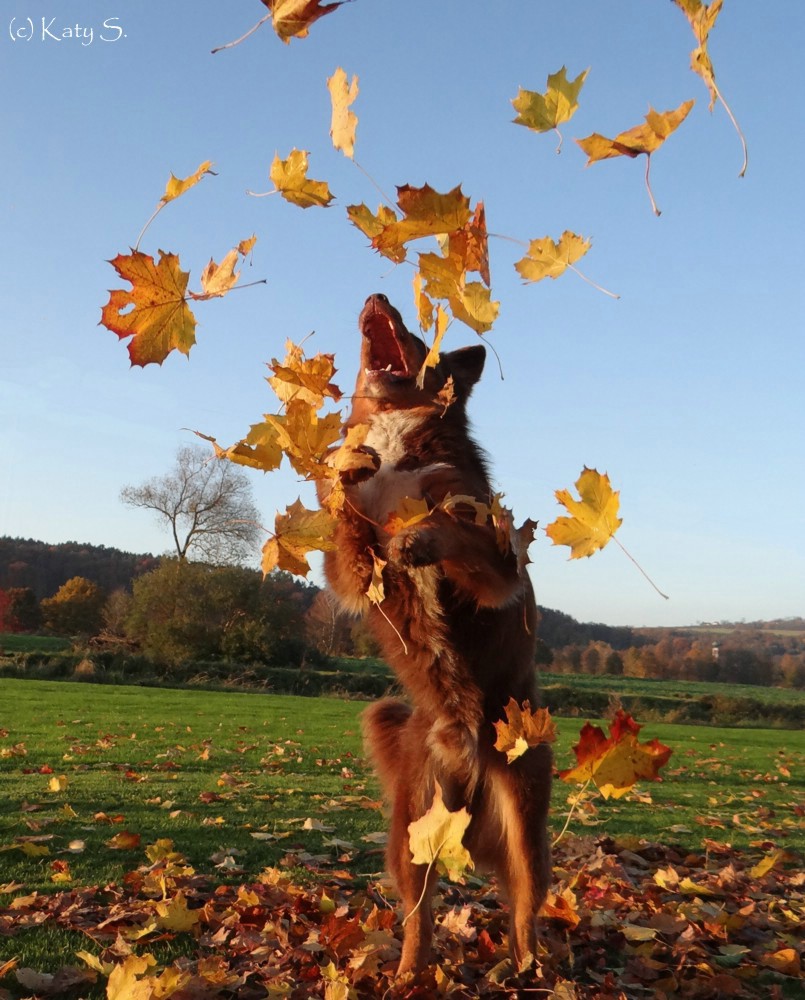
(688, 390)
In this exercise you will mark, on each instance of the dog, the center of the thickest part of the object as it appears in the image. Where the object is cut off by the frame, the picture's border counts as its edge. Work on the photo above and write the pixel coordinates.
(457, 624)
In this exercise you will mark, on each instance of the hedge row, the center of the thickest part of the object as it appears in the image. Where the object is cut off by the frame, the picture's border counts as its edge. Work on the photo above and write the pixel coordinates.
(562, 700)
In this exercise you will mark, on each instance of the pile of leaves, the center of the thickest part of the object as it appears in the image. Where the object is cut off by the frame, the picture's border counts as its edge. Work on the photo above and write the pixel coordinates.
(624, 919)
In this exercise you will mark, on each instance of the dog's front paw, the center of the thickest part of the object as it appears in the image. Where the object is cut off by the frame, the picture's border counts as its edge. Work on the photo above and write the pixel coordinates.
(414, 547)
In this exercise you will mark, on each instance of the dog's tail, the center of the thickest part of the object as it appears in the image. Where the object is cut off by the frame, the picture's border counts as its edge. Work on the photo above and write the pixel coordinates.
(383, 724)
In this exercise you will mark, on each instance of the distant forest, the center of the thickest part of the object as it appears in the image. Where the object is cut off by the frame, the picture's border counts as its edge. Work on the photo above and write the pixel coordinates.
(43, 567)
(144, 603)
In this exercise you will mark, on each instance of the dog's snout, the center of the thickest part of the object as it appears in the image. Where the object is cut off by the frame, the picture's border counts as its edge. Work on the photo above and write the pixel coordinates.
(377, 297)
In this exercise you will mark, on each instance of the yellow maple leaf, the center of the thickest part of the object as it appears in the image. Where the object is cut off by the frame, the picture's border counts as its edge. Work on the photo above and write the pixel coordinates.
(425, 212)
(58, 783)
(296, 533)
(372, 225)
(409, 512)
(125, 982)
(471, 302)
(642, 139)
(470, 244)
(645, 138)
(376, 592)
(305, 437)
(546, 259)
(436, 838)
(174, 915)
(617, 762)
(177, 186)
(291, 180)
(161, 320)
(544, 112)
(293, 18)
(523, 728)
(260, 449)
(344, 121)
(702, 18)
(593, 519)
(304, 378)
(433, 355)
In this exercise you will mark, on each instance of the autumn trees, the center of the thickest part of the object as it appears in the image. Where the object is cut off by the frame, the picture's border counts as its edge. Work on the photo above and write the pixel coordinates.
(206, 505)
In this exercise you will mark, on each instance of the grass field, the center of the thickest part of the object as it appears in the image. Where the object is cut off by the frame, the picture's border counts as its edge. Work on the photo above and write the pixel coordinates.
(209, 770)
(19, 642)
(91, 775)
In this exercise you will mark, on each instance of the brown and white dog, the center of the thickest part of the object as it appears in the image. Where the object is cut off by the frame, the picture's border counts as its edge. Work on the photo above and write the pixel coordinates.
(457, 624)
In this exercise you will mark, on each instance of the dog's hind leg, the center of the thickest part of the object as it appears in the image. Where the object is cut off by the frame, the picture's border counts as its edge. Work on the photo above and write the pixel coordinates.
(519, 796)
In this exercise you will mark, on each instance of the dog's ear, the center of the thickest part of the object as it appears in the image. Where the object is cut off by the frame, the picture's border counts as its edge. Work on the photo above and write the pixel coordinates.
(465, 365)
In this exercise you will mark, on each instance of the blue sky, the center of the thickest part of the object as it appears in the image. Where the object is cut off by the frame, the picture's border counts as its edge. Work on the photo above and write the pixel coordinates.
(688, 390)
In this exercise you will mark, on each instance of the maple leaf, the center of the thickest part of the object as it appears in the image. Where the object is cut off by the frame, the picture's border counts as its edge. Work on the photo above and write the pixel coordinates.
(305, 437)
(425, 212)
(160, 320)
(344, 121)
(304, 378)
(124, 841)
(124, 982)
(593, 519)
(409, 512)
(546, 259)
(523, 728)
(218, 279)
(702, 18)
(470, 244)
(260, 449)
(293, 18)
(444, 278)
(177, 186)
(544, 112)
(433, 355)
(615, 763)
(376, 591)
(372, 225)
(174, 915)
(297, 532)
(436, 838)
(291, 180)
(642, 139)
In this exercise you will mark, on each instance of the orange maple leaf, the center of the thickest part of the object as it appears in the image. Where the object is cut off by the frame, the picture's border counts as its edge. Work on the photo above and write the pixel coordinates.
(523, 728)
(293, 18)
(161, 320)
(615, 763)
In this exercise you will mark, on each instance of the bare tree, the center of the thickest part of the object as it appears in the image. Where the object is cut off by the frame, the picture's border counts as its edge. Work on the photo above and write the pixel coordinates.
(207, 505)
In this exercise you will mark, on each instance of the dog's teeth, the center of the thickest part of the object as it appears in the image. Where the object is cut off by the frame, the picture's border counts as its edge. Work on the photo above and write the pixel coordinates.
(387, 368)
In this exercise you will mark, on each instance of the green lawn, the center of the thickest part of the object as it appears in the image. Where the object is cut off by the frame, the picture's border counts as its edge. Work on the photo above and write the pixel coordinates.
(209, 770)
(14, 642)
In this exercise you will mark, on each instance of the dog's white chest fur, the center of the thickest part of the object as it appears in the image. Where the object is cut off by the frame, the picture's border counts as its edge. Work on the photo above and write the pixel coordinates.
(381, 495)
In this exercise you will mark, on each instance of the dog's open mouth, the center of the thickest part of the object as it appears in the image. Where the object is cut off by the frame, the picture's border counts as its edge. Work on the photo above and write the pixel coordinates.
(386, 356)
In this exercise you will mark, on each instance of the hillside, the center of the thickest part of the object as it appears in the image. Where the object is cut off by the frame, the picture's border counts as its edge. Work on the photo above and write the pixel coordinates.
(43, 567)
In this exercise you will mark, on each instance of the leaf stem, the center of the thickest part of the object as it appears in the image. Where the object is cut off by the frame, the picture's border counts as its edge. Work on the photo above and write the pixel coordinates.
(736, 126)
(576, 800)
(251, 31)
(599, 288)
(645, 574)
(374, 183)
(654, 207)
(154, 214)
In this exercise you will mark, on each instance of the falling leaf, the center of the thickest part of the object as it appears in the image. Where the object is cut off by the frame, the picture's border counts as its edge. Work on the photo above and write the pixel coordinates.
(291, 180)
(437, 837)
(544, 112)
(702, 18)
(593, 518)
(617, 762)
(523, 728)
(297, 532)
(408, 513)
(298, 377)
(642, 139)
(433, 355)
(160, 320)
(425, 212)
(218, 279)
(546, 259)
(344, 120)
(373, 225)
(376, 592)
(293, 18)
(176, 186)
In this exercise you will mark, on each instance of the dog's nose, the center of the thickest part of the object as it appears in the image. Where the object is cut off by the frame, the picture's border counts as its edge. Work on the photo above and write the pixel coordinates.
(377, 297)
